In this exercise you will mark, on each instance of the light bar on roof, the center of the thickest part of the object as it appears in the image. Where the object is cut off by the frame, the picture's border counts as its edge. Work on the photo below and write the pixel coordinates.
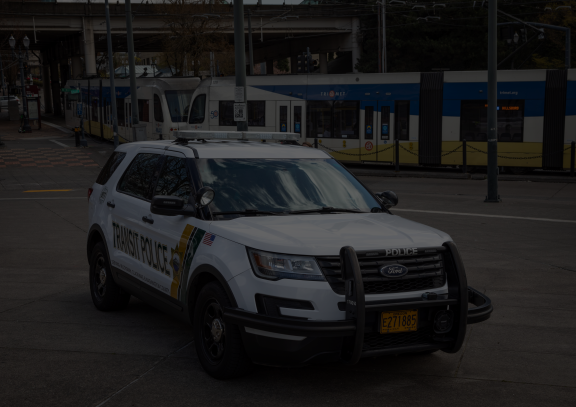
(234, 135)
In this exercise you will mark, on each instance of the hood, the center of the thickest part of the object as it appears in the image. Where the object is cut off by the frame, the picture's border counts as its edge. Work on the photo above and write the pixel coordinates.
(325, 234)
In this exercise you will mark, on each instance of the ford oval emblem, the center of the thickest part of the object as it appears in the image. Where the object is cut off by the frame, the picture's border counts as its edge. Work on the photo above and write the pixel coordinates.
(393, 271)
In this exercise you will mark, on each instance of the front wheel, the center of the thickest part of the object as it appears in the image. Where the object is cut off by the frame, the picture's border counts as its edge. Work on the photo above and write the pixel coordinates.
(106, 294)
(218, 345)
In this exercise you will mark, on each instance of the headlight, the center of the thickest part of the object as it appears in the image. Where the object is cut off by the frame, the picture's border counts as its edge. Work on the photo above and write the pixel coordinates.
(273, 266)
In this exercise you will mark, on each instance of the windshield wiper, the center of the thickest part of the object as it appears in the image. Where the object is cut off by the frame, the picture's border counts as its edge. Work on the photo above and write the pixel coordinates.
(326, 209)
(248, 212)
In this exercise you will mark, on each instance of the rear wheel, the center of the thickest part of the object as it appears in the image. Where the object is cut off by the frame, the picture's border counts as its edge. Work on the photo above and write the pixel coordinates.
(218, 345)
(106, 294)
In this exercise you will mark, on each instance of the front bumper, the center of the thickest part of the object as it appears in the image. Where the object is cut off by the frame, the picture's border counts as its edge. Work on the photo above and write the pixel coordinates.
(288, 341)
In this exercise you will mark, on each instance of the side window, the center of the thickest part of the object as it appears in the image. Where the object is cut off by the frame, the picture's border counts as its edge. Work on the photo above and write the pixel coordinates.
(138, 177)
(158, 116)
(198, 109)
(257, 113)
(110, 166)
(346, 119)
(174, 179)
(226, 117)
(319, 122)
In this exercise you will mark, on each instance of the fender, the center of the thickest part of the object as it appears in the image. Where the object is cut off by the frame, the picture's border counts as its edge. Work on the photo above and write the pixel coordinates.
(192, 292)
(95, 229)
(457, 288)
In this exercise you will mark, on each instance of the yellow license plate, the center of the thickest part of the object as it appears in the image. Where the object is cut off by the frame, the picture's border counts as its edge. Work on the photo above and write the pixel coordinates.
(399, 321)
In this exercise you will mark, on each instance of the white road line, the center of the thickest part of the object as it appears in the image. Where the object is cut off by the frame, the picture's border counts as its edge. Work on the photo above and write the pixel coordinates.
(64, 129)
(35, 199)
(487, 216)
(59, 143)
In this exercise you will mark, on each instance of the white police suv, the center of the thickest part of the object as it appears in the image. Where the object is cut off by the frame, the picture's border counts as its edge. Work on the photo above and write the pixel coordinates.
(274, 252)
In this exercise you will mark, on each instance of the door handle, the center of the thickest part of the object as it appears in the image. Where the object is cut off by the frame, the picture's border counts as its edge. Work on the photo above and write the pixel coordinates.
(147, 220)
(111, 204)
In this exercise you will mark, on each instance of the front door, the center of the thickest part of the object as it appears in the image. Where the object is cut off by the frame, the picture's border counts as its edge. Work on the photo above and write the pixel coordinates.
(283, 117)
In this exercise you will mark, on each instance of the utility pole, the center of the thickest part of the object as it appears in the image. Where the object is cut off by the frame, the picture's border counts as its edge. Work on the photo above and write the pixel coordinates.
(250, 52)
(384, 56)
(2, 75)
(379, 38)
(112, 86)
(492, 168)
(132, 65)
(240, 57)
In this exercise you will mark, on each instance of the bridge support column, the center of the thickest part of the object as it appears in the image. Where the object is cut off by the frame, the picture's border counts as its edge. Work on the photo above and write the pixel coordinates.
(46, 84)
(76, 67)
(355, 43)
(55, 83)
(323, 62)
(89, 48)
(269, 67)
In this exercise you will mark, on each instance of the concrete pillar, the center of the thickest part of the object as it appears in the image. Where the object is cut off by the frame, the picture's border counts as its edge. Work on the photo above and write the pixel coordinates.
(294, 63)
(270, 67)
(55, 82)
(323, 62)
(64, 71)
(46, 84)
(89, 48)
(355, 43)
(76, 67)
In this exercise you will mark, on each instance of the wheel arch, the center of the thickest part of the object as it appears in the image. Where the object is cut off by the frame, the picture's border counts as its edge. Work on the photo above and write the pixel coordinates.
(202, 275)
(95, 235)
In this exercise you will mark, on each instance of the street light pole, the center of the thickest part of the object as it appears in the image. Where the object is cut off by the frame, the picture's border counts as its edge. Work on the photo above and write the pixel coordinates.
(132, 65)
(26, 125)
(112, 86)
(384, 56)
(2, 75)
(240, 56)
(250, 52)
(492, 167)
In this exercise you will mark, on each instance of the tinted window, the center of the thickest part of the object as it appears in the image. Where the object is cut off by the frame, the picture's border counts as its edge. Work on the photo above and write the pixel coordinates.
(346, 119)
(138, 177)
(110, 166)
(256, 113)
(281, 185)
(198, 109)
(174, 180)
(179, 104)
(319, 119)
(474, 120)
(158, 115)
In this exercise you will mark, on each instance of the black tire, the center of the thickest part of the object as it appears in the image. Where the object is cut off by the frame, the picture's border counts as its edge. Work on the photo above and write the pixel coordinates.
(106, 294)
(218, 345)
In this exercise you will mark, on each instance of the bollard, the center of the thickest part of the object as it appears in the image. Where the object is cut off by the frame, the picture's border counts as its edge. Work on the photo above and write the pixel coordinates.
(572, 148)
(315, 142)
(397, 154)
(464, 165)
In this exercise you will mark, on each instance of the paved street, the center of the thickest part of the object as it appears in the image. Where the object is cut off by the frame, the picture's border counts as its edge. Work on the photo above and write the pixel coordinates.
(56, 349)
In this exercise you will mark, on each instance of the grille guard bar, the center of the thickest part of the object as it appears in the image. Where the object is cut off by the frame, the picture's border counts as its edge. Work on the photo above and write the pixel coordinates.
(352, 328)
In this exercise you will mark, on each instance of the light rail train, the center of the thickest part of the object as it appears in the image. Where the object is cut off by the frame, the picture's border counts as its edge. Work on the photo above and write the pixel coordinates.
(357, 117)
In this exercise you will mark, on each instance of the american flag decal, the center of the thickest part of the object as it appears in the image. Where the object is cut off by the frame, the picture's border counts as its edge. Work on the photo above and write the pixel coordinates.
(208, 239)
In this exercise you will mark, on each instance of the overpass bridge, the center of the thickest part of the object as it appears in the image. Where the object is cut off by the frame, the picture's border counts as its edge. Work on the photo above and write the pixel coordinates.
(76, 32)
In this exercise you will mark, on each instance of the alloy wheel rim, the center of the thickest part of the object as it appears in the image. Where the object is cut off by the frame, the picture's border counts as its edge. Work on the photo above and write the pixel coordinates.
(213, 332)
(100, 276)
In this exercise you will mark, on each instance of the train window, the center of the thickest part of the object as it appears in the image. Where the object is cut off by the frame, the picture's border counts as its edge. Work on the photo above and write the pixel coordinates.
(346, 119)
(402, 120)
(256, 113)
(144, 110)
(369, 122)
(226, 116)
(198, 109)
(385, 127)
(120, 112)
(474, 120)
(179, 104)
(297, 119)
(283, 118)
(158, 115)
(319, 119)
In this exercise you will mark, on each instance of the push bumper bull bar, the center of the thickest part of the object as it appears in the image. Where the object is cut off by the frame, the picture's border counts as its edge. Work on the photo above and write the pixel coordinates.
(352, 328)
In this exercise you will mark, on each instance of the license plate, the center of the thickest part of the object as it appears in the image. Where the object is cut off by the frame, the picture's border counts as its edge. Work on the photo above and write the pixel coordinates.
(399, 321)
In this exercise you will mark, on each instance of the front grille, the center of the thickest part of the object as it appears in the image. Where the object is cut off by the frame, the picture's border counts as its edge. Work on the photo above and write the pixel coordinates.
(377, 341)
(425, 271)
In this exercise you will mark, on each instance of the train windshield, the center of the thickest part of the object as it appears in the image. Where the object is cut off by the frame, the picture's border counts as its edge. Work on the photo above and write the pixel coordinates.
(282, 186)
(179, 104)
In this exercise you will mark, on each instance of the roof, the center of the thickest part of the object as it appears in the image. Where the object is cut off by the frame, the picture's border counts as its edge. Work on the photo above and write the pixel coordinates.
(232, 149)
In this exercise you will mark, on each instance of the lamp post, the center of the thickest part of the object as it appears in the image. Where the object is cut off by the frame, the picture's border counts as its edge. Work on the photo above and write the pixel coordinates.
(26, 42)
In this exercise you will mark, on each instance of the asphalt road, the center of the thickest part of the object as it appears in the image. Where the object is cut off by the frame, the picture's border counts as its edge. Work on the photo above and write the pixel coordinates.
(56, 349)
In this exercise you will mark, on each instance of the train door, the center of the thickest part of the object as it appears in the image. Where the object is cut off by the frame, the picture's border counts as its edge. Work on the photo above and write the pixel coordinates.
(402, 120)
(368, 134)
(298, 118)
(383, 137)
(283, 117)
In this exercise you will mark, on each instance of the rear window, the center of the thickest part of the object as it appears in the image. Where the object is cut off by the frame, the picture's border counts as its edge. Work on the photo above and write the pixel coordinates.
(111, 165)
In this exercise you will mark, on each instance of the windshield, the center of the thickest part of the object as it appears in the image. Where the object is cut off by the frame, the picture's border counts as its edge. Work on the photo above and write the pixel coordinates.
(282, 185)
(179, 104)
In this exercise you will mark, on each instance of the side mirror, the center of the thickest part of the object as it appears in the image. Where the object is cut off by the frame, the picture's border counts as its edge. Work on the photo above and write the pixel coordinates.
(170, 206)
(388, 198)
(204, 196)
